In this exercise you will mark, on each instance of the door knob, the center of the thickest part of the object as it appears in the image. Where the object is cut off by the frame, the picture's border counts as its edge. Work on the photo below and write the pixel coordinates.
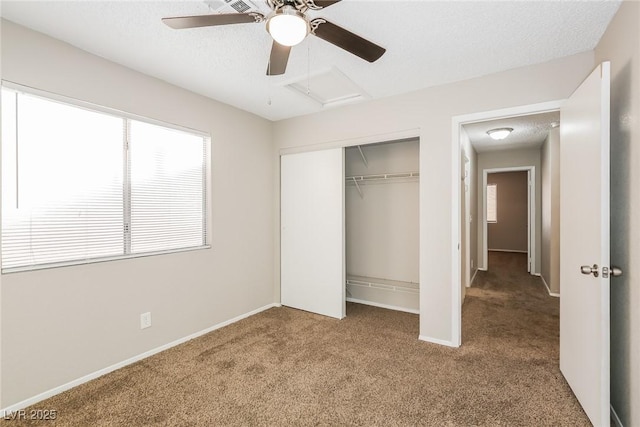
(616, 271)
(612, 271)
(585, 269)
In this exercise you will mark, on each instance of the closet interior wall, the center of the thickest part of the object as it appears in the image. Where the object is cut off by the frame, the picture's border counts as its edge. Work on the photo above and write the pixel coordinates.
(382, 224)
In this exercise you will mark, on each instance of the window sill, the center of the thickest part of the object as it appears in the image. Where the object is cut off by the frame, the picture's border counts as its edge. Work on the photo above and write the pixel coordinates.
(98, 260)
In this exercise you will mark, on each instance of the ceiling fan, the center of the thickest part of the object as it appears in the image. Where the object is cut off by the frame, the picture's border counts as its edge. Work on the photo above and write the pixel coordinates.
(288, 25)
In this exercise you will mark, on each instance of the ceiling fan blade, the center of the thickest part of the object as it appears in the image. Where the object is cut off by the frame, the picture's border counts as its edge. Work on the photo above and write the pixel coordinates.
(278, 59)
(180, 22)
(321, 4)
(346, 40)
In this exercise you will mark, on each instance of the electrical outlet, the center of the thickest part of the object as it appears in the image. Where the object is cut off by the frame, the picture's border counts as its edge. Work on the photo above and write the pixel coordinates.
(145, 320)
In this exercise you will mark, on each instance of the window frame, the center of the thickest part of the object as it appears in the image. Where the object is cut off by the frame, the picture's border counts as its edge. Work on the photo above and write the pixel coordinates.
(127, 117)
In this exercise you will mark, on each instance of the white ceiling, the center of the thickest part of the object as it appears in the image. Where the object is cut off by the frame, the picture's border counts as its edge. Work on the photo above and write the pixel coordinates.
(528, 132)
(428, 43)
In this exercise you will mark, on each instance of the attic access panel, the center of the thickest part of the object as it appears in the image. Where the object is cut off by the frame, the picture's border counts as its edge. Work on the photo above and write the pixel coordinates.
(329, 88)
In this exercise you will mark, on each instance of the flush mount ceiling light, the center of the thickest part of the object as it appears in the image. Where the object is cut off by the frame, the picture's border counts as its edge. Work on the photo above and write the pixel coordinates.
(500, 133)
(287, 26)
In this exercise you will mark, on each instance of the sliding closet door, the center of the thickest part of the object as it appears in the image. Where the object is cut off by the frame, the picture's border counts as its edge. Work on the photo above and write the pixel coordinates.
(312, 232)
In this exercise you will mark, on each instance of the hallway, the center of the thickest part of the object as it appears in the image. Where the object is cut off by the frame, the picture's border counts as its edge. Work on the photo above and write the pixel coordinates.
(509, 316)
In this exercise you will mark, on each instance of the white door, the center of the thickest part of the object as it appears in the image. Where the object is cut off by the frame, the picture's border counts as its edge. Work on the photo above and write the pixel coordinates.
(464, 224)
(312, 232)
(584, 241)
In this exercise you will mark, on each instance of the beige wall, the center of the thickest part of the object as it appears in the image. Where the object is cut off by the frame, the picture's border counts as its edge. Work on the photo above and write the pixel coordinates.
(428, 113)
(550, 168)
(621, 45)
(61, 324)
(510, 232)
(509, 159)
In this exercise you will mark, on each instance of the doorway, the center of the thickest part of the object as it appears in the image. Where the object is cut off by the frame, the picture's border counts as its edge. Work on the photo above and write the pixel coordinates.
(509, 204)
(462, 130)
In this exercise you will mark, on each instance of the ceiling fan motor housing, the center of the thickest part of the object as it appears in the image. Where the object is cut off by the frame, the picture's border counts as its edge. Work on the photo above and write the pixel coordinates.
(299, 5)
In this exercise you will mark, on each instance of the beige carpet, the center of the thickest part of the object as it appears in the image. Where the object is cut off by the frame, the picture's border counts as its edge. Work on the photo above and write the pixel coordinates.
(289, 367)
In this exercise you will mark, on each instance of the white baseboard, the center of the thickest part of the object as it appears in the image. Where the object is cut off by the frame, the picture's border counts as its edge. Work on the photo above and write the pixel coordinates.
(553, 294)
(508, 250)
(71, 384)
(436, 341)
(387, 306)
(615, 418)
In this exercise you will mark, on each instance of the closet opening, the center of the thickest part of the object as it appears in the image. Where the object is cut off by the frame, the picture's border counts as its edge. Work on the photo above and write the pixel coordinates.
(382, 224)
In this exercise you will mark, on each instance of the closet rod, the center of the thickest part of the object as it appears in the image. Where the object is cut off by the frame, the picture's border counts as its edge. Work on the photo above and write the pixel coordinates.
(383, 176)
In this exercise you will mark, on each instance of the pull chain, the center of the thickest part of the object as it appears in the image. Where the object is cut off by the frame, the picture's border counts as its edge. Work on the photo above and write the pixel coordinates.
(308, 66)
(269, 83)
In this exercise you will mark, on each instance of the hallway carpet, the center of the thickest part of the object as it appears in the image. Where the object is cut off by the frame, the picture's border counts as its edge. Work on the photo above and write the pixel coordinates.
(289, 367)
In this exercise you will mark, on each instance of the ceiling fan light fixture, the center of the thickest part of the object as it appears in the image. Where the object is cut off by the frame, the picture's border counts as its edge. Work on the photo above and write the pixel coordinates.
(287, 26)
(500, 133)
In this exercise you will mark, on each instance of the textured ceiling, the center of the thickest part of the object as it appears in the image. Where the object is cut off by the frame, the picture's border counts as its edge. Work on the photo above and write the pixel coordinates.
(528, 132)
(428, 43)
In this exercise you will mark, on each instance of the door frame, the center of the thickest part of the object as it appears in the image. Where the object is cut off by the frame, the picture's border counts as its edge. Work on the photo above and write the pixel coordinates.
(531, 214)
(456, 125)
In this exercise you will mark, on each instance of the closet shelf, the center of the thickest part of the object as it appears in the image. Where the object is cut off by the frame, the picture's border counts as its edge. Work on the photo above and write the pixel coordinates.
(382, 177)
(384, 284)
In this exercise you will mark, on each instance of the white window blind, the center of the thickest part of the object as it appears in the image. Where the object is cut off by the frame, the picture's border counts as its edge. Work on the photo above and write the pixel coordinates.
(167, 188)
(80, 185)
(61, 182)
(492, 203)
